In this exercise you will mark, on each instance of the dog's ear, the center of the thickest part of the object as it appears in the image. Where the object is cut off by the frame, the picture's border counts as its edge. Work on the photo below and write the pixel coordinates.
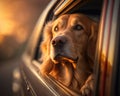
(45, 44)
(92, 40)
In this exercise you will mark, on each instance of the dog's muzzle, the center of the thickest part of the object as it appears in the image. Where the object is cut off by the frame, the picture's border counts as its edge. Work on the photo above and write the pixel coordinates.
(59, 53)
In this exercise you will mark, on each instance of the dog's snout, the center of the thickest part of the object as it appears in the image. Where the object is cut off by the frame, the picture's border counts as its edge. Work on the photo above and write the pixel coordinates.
(59, 41)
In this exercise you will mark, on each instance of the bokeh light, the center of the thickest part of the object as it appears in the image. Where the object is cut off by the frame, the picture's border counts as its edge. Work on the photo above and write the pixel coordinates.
(17, 21)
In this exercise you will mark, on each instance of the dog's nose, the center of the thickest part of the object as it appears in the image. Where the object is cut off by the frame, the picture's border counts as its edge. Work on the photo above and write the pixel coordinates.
(59, 41)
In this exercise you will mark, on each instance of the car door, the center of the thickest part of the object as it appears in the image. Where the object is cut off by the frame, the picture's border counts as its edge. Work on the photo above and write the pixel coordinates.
(107, 50)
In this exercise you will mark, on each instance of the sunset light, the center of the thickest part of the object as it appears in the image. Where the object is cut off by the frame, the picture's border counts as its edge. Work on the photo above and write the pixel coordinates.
(17, 21)
(6, 22)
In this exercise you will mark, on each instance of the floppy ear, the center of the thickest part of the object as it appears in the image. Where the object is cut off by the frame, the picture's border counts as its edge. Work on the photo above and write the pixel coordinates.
(45, 45)
(47, 64)
(92, 41)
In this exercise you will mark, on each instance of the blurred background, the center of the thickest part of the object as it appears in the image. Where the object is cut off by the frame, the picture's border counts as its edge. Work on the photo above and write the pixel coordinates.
(17, 21)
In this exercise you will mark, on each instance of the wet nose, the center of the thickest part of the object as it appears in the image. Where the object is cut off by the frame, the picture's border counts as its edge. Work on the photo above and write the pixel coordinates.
(59, 41)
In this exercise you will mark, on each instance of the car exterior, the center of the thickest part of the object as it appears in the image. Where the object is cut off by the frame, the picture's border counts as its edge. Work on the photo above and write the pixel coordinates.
(107, 62)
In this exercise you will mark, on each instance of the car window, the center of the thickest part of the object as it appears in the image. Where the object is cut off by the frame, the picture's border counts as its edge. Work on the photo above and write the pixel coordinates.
(67, 50)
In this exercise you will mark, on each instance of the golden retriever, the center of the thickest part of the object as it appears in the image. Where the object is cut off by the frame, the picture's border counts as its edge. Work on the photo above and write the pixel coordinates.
(68, 51)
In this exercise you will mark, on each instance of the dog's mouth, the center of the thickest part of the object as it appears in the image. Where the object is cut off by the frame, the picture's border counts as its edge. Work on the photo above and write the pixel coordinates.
(63, 58)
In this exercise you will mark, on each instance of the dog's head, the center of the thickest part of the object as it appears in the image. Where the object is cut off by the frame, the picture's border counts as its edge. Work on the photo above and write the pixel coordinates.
(69, 38)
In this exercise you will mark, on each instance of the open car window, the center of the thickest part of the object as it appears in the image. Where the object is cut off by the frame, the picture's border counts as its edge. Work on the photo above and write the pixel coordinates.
(50, 46)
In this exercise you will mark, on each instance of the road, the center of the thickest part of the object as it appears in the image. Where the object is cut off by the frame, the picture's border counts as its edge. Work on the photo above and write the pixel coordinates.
(6, 76)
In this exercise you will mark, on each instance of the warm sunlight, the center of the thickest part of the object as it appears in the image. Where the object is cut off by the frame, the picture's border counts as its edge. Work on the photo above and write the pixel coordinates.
(17, 21)
(6, 22)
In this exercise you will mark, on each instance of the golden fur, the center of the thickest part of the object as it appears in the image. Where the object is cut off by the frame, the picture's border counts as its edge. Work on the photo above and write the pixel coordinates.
(68, 51)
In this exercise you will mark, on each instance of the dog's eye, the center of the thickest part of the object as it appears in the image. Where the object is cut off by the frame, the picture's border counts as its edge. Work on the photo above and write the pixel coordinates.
(56, 28)
(77, 27)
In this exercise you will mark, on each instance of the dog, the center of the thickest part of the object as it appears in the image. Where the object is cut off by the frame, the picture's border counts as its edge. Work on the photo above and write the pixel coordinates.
(68, 51)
